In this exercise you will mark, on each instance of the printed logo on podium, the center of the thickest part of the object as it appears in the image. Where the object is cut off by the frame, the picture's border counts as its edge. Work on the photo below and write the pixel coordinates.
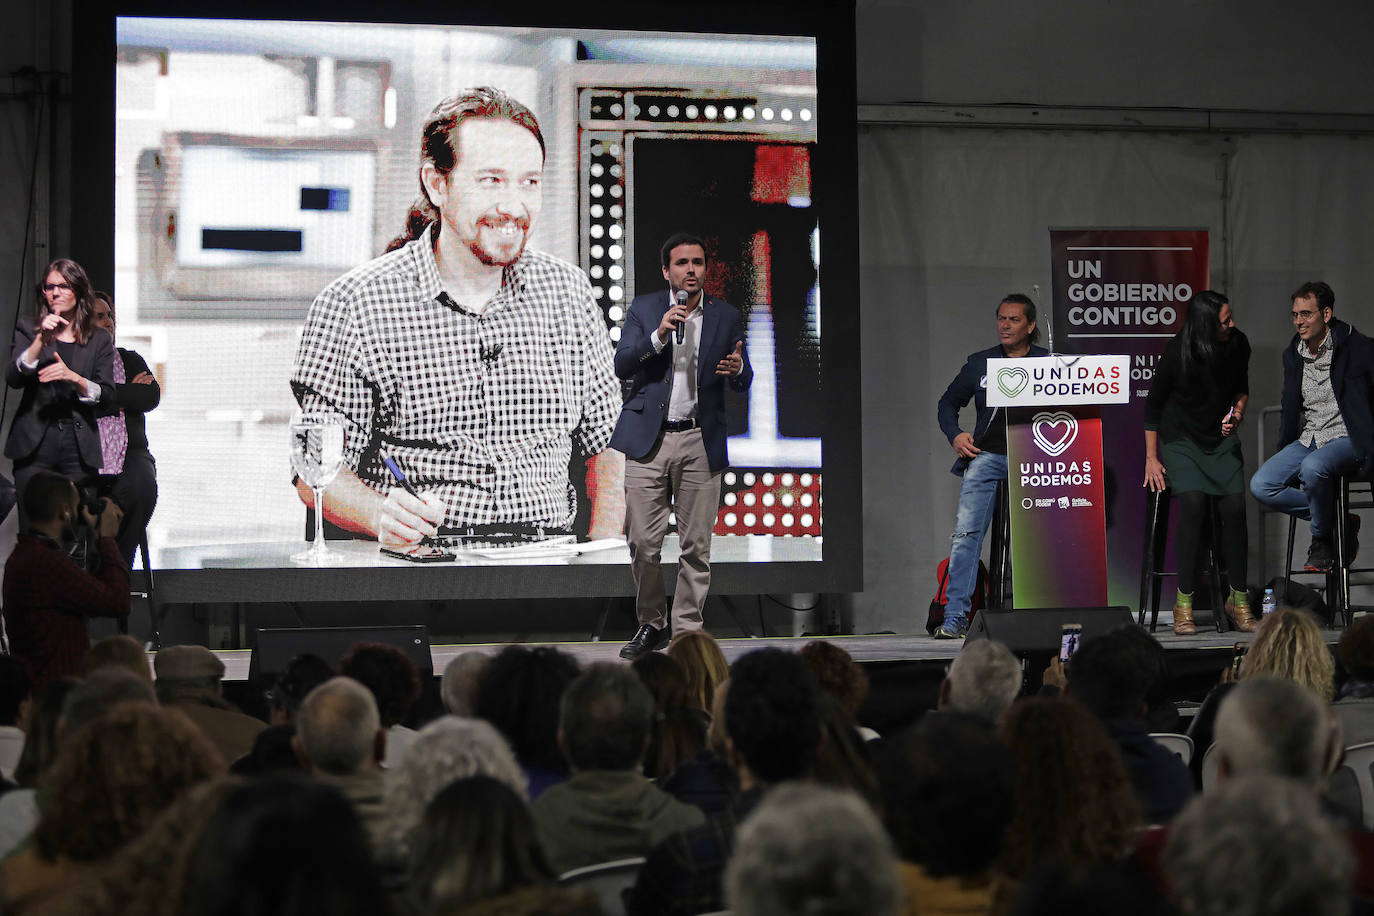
(1053, 431)
(1012, 381)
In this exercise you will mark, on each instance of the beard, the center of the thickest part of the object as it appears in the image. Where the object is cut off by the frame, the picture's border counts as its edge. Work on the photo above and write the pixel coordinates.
(495, 249)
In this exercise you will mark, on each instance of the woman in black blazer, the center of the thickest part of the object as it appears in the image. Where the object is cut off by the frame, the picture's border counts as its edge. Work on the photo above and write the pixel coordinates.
(59, 362)
(132, 394)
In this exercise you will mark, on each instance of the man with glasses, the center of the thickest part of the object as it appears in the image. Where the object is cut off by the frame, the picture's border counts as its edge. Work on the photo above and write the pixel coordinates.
(1327, 428)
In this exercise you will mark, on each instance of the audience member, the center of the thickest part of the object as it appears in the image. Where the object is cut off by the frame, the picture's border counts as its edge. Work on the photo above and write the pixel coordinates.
(47, 596)
(461, 679)
(118, 651)
(1090, 890)
(301, 675)
(1113, 677)
(811, 850)
(1288, 644)
(1074, 800)
(271, 754)
(395, 684)
(445, 750)
(679, 731)
(772, 730)
(19, 807)
(475, 841)
(283, 846)
(188, 679)
(340, 741)
(948, 840)
(112, 777)
(519, 694)
(16, 691)
(1258, 847)
(607, 809)
(838, 675)
(704, 664)
(92, 698)
(983, 680)
(842, 758)
(1355, 705)
(707, 780)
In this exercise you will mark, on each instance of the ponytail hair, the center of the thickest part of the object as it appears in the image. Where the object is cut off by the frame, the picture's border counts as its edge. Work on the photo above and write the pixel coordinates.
(439, 146)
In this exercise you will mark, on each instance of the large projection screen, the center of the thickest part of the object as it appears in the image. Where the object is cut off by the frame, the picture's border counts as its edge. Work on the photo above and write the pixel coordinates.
(233, 165)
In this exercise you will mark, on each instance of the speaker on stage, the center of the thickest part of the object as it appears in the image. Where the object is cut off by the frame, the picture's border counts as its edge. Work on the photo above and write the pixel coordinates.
(275, 648)
(1038, 629)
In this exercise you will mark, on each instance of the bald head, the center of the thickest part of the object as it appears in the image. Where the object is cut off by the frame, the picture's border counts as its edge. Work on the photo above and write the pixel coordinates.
(337, 727)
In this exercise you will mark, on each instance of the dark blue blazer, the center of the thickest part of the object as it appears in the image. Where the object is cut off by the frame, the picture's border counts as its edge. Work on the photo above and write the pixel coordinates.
(1352, 381)
(651, 375)
(94, 360)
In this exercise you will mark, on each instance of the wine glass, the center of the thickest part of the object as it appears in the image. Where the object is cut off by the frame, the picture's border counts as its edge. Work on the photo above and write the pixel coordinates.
(317, 441)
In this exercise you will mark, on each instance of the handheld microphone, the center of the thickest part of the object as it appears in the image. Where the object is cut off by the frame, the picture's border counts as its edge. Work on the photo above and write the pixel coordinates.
(678, 331)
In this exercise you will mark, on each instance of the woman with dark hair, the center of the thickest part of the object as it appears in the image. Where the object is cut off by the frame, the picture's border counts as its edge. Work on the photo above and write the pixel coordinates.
(679, 731)
(285, 847)
(476, 840)
(1196, 402)
(1074, 801)
(519, 695)
(59, 362)
(132, 392)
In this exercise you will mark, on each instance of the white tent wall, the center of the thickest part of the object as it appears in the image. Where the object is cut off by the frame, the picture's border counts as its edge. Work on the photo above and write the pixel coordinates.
(953, 218)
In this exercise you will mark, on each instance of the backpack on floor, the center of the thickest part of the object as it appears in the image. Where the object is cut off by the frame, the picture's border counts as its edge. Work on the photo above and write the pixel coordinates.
(936, 616)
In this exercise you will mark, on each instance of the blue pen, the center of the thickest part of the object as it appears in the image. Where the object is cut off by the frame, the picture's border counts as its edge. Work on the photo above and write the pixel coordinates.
(400, 478)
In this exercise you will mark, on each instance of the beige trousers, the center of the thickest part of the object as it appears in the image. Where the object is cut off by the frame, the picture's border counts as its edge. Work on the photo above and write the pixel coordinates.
(676, 476)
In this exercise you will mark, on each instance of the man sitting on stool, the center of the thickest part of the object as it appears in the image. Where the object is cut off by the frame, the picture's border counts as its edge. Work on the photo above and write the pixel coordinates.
(1327, 428)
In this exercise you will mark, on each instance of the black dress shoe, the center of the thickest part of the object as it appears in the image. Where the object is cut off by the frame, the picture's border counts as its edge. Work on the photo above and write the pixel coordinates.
(645, 641)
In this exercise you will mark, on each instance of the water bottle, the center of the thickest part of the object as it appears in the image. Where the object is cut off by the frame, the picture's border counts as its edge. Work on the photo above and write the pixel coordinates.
(1269, 604)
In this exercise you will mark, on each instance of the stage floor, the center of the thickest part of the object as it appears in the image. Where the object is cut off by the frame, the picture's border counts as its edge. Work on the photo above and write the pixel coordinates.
(864, 649)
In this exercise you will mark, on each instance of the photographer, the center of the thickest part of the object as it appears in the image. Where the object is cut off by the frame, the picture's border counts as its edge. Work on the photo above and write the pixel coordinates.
(47, 595)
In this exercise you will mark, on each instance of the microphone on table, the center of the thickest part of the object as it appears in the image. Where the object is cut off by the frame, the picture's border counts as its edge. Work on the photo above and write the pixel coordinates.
(678, 331)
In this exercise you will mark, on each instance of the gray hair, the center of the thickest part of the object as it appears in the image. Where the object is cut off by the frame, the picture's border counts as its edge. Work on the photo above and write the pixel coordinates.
(984, 679)
(1274, 726)
(1260, 846)
(813, 850)
(459, 685)
(447, 749)
(605, 716)
(338, 724)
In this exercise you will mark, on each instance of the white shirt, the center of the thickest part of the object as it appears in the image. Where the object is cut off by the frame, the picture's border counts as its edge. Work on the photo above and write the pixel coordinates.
(682, 405)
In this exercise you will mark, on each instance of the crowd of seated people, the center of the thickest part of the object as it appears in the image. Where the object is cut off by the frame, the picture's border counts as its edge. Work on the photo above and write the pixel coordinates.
(701, 788)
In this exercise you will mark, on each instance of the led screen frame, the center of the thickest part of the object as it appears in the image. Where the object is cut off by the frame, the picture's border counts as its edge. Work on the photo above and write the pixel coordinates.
(834, 188)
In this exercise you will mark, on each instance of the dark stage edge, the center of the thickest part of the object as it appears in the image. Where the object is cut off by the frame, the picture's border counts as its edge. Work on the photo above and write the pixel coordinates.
(864, 649)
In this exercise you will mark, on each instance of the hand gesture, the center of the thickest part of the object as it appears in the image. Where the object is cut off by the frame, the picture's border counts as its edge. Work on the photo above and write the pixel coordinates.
(1231, 421)
(58, 372)
(1054, 675)
(1154, 474)
(671, 319)
(50, 325)
(733, 364)
(405, 519)
(964, 447)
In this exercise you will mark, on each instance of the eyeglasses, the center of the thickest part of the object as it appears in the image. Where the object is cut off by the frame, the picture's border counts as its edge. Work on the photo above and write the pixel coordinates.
(54, 287)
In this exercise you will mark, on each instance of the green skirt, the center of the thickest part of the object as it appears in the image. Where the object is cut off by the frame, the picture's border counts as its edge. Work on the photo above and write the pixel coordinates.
(1191, 469)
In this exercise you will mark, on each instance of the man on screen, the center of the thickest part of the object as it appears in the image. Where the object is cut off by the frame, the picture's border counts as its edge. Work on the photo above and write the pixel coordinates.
(477, 366)
(982, 454)
(678, 349)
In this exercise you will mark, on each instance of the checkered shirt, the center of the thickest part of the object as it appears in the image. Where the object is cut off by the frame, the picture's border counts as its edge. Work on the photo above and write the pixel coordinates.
(483, 409)
(1322, 423)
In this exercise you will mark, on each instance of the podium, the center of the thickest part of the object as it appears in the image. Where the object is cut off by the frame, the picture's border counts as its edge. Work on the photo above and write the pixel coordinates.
(1055, 474)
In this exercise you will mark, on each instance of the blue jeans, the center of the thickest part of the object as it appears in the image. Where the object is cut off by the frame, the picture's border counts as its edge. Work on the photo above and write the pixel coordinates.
(1316, 469)
(976, 498)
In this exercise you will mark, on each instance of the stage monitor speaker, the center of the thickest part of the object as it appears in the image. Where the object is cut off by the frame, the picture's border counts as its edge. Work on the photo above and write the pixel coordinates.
(276, 648)
(1038, 629)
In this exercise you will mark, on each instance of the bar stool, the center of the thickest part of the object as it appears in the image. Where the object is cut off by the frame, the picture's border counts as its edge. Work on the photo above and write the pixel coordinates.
(1337, 585)
(999, 553)
(1151, 576)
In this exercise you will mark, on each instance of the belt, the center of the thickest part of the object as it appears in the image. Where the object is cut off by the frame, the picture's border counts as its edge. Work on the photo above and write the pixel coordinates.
(678, 426)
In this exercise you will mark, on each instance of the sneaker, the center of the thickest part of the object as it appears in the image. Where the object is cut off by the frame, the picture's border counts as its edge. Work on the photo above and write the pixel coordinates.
(951, 631)
(1320, 556)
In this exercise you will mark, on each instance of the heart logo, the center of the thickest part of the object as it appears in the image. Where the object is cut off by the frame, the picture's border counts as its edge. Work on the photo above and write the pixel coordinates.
(1053, 432)
(1012, 381)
